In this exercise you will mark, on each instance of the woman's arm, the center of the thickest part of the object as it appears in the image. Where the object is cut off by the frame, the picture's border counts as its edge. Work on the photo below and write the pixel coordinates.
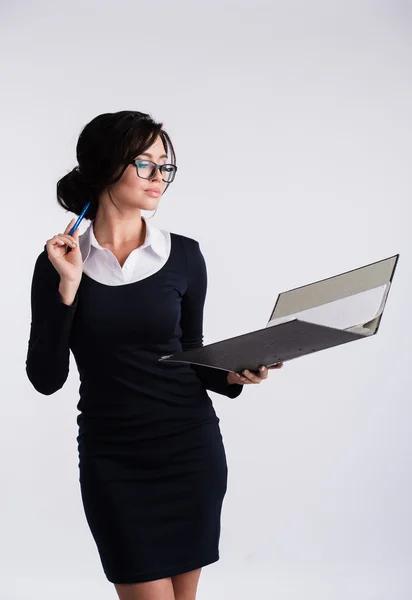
(192, 321)
(48, 355)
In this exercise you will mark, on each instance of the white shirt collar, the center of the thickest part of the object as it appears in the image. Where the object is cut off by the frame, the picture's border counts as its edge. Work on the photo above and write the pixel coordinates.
(154, 239)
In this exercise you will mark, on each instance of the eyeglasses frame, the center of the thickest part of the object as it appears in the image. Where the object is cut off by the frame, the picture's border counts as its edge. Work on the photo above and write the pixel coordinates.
(154, 171)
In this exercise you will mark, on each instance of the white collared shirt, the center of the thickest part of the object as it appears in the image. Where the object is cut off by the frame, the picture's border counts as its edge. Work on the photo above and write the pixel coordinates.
(101, 264)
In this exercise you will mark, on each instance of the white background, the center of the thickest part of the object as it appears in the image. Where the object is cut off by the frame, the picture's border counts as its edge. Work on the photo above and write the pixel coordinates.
(317, 97)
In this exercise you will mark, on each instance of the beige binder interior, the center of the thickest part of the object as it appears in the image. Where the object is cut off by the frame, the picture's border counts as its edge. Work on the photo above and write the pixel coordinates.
(353, 301)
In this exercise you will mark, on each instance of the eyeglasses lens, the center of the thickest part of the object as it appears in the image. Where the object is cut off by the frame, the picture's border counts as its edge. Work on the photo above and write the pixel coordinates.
(145, 169)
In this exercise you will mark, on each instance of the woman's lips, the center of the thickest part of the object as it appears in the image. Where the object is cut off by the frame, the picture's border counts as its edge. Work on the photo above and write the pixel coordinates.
(153, 193)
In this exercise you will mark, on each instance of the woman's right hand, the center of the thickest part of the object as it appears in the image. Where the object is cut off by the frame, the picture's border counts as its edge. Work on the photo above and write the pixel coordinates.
(68, 265)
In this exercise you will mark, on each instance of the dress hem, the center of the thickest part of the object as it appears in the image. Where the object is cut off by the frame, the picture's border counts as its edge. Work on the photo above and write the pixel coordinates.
(162, 574)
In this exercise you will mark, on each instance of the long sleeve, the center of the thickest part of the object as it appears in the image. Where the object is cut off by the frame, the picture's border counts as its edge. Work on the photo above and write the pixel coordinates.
(192, 321)
(48, 355)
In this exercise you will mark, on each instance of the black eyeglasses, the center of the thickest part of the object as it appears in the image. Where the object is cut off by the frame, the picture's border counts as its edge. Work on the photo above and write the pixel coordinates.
(146, 169)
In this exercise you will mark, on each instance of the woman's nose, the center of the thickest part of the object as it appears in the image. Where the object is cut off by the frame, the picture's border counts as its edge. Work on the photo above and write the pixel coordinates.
(157, 176)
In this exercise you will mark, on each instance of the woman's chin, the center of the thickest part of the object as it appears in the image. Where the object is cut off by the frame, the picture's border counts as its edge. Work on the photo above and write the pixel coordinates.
(145, 205)
(149, 205)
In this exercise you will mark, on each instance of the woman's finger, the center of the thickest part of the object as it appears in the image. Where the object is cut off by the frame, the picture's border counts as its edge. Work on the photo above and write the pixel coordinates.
(54, 241)
(69, 226)
(68, 240)
(242, 379)
(251, 376)
(60, 240)
(263, 372)
(71, 240)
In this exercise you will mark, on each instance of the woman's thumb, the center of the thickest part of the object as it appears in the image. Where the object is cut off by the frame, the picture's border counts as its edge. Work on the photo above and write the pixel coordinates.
(69, 226)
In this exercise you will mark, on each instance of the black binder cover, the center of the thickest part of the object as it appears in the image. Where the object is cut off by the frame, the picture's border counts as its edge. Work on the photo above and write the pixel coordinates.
(268, 346)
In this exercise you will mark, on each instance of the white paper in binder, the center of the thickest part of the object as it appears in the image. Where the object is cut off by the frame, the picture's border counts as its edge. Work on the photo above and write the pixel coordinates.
(353, 301)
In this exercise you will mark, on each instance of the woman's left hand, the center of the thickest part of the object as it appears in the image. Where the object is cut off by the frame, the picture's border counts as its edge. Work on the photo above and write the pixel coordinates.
(250, 376)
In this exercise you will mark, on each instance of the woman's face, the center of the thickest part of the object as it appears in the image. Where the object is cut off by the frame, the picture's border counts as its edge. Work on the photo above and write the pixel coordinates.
(134, 191)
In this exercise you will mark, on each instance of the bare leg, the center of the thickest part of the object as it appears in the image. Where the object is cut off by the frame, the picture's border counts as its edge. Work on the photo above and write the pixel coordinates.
(160, 589)
(185, 585)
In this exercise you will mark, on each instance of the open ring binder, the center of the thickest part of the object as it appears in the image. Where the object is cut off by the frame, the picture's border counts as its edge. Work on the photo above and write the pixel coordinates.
(305, 320)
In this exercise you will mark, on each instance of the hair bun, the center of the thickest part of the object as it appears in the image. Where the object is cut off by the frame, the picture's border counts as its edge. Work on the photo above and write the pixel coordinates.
(74, 191)
(79, 179)
(77, 172)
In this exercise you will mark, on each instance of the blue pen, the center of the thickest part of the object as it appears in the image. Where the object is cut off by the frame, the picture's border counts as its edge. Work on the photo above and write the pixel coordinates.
(79, 219)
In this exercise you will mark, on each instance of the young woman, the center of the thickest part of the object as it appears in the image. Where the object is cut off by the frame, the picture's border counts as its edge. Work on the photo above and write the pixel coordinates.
(152, 465)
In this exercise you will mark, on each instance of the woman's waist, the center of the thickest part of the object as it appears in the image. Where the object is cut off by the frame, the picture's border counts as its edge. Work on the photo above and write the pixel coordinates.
(163, 383)
(99, 431)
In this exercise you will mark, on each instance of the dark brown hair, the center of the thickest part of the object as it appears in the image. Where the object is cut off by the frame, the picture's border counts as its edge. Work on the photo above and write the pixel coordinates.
(105, 145)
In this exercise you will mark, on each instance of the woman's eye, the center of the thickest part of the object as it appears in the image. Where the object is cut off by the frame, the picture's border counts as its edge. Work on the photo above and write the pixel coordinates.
(142, 164)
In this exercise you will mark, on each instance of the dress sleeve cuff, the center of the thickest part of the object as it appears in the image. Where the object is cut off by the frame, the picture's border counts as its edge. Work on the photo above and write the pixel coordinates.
(215, 380)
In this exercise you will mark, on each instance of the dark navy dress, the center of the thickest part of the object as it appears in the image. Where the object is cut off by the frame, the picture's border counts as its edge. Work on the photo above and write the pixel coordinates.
(152, 463)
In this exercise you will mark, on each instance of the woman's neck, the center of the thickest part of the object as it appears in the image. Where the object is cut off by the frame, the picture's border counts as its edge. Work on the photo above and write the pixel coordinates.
(114, 232)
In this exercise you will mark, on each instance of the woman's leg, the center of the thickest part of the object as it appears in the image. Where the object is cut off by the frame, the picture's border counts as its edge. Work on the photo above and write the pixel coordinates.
(185, 585)
(160, 589)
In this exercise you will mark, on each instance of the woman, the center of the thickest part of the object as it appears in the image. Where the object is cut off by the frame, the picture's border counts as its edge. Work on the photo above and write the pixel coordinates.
(152, 463)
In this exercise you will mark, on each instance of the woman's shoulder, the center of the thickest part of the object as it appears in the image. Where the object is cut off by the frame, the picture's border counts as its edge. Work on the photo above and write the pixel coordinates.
(189, 248)
(189, 251)
(186, 241)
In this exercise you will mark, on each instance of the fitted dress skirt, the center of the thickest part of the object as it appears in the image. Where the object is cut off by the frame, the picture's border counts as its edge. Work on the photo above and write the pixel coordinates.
(154, 506)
